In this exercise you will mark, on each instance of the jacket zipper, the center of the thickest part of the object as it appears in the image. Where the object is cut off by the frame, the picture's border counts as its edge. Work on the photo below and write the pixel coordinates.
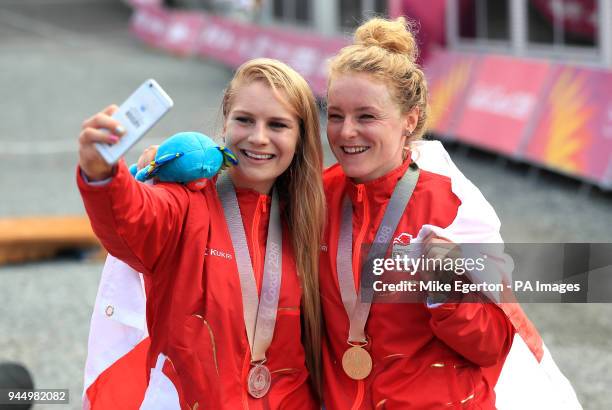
(258, 279)
(361, 197)
(359, 395)
(255, 238)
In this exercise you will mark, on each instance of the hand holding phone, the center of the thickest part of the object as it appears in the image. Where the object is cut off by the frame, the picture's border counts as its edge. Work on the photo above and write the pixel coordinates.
(138, 114)
(95, 130)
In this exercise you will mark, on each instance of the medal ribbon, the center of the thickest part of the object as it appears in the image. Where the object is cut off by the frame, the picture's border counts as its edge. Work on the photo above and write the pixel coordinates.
(259, 314)
(357, 311)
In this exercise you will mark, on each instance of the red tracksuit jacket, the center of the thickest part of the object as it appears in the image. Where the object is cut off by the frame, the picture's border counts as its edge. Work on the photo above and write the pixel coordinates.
(180, 241)
(422, 358)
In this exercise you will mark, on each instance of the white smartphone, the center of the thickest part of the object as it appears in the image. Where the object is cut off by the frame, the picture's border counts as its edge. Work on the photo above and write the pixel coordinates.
(137, 115)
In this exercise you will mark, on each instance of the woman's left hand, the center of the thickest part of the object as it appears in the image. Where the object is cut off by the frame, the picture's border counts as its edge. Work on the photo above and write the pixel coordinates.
(439, 252)
(147, 156)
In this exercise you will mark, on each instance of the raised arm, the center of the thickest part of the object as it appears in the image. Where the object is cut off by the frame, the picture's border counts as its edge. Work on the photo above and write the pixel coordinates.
(135, 222)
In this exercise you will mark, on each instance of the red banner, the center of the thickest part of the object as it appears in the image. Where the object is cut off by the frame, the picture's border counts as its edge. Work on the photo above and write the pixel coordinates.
(557, 116)
(150, 24)
(500, 103)
(232, 42)
(574, 131)
(449, 75)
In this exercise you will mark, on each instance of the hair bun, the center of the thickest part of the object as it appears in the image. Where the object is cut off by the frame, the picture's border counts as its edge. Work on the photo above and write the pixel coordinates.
(395, 36)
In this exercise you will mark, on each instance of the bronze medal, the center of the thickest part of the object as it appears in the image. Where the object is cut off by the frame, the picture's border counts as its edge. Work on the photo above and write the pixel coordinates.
(259, 381)
(357, 363)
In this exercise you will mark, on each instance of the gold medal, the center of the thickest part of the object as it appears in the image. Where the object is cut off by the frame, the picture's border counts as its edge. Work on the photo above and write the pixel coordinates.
(259, 381)
(357, 363)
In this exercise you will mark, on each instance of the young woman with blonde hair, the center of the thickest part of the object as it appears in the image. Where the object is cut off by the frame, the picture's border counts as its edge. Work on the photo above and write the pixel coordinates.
(241, 253)
(427, 355)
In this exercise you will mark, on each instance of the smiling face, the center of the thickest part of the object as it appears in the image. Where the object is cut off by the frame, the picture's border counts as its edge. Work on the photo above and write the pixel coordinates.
(365, 126)
(263, 132)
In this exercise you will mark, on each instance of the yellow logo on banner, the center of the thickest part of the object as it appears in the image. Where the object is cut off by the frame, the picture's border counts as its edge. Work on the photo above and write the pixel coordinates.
(444, 92)
(568, 134)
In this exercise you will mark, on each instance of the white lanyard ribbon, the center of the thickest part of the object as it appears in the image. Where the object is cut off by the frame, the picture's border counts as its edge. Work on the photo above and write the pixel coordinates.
(357, 311)
(259, 314)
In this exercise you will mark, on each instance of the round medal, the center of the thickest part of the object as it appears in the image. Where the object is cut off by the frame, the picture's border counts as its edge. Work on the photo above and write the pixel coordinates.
(259, 381)
(357, 363)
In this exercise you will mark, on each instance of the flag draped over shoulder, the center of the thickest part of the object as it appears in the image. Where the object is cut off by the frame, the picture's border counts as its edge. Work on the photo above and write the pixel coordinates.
(530, 378)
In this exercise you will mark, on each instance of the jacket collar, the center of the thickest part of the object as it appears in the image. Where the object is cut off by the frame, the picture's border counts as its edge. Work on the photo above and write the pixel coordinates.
(251, 198)
(378, 190)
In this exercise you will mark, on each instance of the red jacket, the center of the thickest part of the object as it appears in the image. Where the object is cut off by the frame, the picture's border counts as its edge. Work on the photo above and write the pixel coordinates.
(180, 241)
(422, 358)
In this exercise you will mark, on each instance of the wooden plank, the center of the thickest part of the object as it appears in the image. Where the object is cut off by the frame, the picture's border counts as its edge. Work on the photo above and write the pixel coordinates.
(36, 238)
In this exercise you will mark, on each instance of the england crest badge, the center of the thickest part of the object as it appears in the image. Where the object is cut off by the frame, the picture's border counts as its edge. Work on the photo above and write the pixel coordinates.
(401, 246)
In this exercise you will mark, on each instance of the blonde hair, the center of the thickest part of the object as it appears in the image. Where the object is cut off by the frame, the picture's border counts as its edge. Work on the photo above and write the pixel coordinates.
(300, 187)
(387, 50)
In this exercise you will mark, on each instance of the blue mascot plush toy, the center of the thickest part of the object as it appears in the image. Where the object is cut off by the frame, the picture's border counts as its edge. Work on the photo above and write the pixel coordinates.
(186, 157)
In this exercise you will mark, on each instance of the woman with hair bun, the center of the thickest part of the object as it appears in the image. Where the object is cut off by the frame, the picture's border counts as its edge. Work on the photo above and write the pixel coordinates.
(441, 353)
